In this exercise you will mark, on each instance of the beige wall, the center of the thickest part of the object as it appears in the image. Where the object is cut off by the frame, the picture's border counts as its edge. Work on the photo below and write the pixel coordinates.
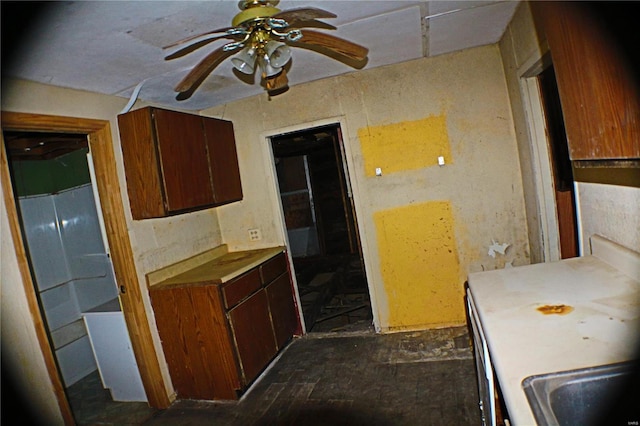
(481, 184)
(610, 211)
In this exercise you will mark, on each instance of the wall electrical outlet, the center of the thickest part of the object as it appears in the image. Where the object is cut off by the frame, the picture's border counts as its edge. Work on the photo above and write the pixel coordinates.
(255, 234)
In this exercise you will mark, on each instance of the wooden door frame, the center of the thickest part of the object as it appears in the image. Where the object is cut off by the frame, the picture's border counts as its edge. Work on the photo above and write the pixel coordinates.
(541, 165)
(101, 147)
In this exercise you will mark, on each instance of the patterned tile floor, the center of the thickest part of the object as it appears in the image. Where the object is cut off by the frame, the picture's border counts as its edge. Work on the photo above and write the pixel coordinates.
(360, 378)
(334, 294)
(417, 378)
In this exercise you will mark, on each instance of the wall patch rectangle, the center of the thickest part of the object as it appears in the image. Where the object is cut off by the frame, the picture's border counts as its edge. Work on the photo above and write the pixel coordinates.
(407, 145)
(419, 265)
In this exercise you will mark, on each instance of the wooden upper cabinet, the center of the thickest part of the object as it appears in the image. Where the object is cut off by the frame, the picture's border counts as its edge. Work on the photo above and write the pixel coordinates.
(177, 162)
(223, 160)
(182, 153)
(598, 89)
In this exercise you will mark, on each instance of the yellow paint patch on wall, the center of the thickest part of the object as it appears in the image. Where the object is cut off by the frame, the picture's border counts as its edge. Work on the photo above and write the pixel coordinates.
(419, 265)
(407, 145)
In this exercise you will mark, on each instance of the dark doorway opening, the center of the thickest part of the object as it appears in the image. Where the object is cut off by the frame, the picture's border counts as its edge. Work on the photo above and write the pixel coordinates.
(322, 231)
(561, 167)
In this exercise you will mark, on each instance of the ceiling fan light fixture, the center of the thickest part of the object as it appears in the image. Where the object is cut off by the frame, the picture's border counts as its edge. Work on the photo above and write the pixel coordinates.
(245, 60)
(260, 36)
(266, 68)
(278, 53)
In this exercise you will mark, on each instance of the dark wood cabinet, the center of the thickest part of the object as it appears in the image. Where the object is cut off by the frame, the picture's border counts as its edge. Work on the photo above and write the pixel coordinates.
(196, 342)
(283, 309)
(253, 333)
(177, 162)
(591, 53)
(223, 160)
(218, 337)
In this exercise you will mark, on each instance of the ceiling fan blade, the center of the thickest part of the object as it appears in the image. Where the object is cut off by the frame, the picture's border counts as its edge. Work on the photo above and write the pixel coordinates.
(303, 14)
(335, 44)
(184, 40)
(312, 23)
(202, 69)
(192, 47)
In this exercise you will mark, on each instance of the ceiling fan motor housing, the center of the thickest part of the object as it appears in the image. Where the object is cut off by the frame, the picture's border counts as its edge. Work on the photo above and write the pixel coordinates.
(246, 4)
(254, 9)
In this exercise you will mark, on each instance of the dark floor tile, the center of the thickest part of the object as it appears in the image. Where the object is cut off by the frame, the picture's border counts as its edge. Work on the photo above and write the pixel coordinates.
(415, 378)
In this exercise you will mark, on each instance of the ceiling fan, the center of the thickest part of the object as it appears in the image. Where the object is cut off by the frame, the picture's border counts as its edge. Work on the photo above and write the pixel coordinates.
(261, 35)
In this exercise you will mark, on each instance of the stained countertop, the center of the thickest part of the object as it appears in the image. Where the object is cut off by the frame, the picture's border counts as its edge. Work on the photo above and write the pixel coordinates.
(557, 316)
(215, 266)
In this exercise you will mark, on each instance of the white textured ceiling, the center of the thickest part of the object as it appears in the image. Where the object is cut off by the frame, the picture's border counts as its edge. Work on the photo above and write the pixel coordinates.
(111, 46)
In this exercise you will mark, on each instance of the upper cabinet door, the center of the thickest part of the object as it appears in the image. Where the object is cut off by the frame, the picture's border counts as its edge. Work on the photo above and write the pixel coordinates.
(177, 162)
(598, 90)
(182, 152)
(223, 160)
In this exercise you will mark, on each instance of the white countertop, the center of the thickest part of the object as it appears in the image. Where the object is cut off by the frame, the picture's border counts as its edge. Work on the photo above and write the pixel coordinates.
(602, 325)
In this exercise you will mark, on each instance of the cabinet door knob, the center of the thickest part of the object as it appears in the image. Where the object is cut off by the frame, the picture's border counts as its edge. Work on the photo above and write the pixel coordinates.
(123, 289)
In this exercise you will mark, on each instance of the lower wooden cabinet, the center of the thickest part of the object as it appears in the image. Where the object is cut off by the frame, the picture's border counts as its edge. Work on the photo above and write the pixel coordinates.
(217, 338)
(283, 310)
(253, 333)
(196, 342)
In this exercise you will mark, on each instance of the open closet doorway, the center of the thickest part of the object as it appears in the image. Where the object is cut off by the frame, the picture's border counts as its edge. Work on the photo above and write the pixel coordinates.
(561, 168)
(552, 166)
(319, 215)
(73, 276)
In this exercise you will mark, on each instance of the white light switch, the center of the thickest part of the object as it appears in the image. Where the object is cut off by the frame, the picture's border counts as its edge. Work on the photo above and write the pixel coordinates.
(441, 161)
(378, 171)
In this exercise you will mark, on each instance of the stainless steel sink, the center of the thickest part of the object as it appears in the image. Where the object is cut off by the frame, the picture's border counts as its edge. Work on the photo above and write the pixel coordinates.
(588, 396)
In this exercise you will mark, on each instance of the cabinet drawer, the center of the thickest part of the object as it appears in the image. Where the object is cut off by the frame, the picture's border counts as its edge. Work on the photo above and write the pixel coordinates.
(273, 268)
(241, 287)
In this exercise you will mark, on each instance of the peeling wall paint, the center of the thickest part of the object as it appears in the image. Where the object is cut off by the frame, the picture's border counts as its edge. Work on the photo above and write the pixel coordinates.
(406, 145)
(419, 265)
(496, 247)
